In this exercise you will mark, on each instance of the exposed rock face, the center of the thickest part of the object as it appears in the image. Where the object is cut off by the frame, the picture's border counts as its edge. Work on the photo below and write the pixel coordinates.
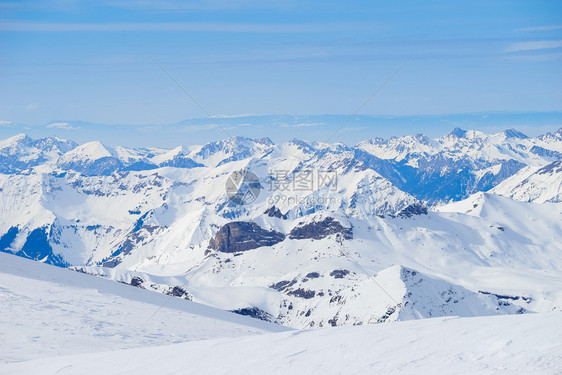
(179, 292)
(283, 285)
(320, 229)
(181, 161)
(554, 167)
(136, 281)
(339, 274)
(254, 312)
(243, 235)
(413, 209)
(302, 293)
(545, 152)
(275, 212)
(139, 233)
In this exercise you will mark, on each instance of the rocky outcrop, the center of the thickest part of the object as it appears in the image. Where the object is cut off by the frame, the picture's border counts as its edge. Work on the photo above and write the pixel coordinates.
(417, 208)
(339, 274)
(242, 236)
(275, 212)
(320, 229)
(254, 312)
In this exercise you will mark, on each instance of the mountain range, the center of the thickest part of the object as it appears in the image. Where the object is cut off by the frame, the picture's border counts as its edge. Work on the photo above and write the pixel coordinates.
(404, 228)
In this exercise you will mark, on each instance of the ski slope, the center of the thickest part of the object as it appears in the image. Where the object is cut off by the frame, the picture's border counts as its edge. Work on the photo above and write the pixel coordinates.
(50, 311)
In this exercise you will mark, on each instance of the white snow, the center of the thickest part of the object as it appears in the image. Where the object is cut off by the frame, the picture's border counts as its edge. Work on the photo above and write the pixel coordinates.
(522, 344)
(493, 253)
(49, 311)
(87, 152)
(534, 184)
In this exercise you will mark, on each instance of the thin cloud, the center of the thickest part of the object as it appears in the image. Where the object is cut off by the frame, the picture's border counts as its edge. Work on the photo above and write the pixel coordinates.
(182, 5)
(234, 116)
(537, 57)
(354, 128)
(191, 128)
(534, 45)
(176, 26)
(541, 28)
(62, 125)
(302, 125)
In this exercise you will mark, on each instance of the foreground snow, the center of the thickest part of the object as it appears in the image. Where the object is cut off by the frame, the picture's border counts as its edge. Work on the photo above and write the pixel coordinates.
(59, 321)
(48, 311)
(484, 345)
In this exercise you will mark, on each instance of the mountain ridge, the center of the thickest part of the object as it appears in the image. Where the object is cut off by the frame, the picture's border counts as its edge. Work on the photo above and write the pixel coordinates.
(319, 209)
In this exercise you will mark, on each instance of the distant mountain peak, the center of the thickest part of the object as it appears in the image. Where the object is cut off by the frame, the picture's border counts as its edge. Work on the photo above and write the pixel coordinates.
(512, 133)
(420, 137)
(458, 133)
(264, 141)
(93, 150)
(551, 136)
(16, 139)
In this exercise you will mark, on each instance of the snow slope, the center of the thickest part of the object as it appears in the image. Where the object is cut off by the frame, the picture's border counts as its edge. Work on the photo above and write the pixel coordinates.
(51, 311)
(522, 344)
(485, 243)
(533, 184)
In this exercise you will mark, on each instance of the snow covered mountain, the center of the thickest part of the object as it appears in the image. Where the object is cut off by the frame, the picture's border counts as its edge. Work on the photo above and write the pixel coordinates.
(21, 152)
(387, 230)
(534, 184)
(462, 162)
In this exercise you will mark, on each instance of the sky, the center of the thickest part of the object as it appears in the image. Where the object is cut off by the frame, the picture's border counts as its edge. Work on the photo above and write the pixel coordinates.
(97, 62)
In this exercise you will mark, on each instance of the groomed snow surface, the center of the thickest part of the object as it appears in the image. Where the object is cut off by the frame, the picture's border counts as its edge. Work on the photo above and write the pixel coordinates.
(56, 321)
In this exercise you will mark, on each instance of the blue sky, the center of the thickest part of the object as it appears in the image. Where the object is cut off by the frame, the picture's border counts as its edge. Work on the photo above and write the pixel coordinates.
(90, 61)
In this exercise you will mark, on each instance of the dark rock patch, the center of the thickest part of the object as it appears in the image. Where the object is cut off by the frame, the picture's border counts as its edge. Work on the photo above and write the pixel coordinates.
(275, 212)
(389, 312)
(254, 312)
(545, 152)
(505, 297)
(179, 292)
(320, 229)
(554, 167)
(242, 236)
(136, 281)
(302, 293)
(339, 274)
(417, 208)
(139, 233)
(283, 285)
